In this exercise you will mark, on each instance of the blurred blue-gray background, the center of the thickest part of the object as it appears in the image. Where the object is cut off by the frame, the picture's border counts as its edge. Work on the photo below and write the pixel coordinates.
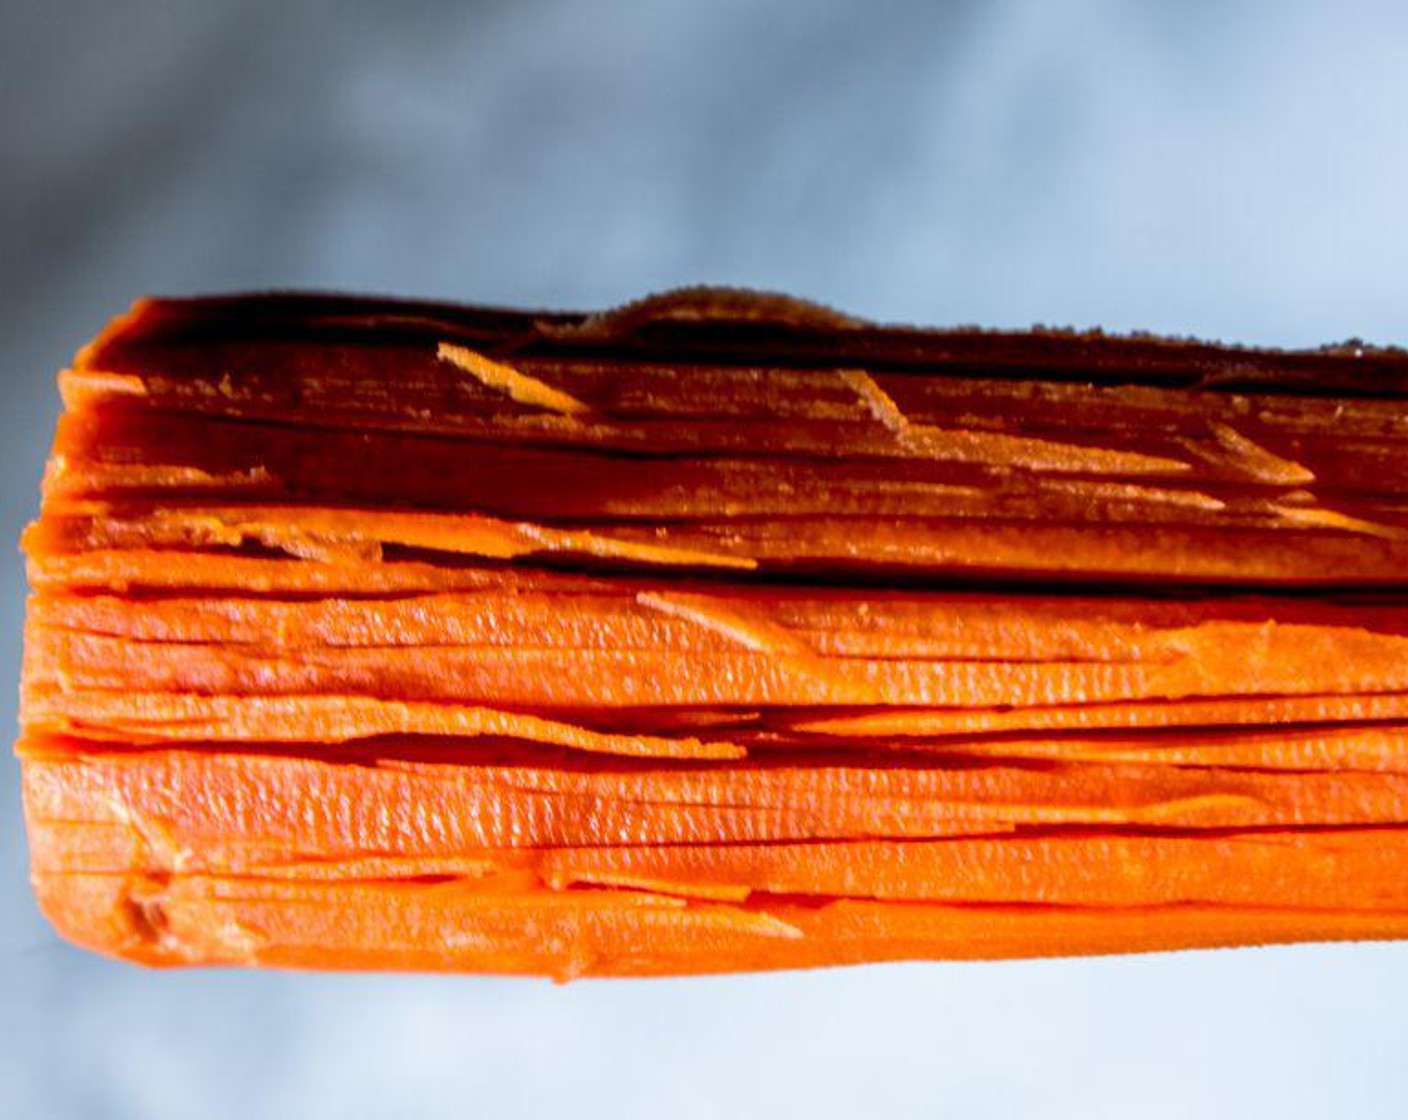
(1236, 170)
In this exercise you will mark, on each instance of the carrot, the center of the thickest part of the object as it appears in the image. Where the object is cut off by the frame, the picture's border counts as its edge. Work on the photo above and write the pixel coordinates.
(111, 451)
(330, 719)
(1303, 870)
(567, 935)
(908, 725)
(1345, 869)
(515, 794)
(272, 807)
(403, 385)
(1350, 749)
(536, 607)
(146, 570)
(719, 632)
(540, 676)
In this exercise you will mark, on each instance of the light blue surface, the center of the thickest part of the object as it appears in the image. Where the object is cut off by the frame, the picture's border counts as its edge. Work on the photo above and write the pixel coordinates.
(1237, 170)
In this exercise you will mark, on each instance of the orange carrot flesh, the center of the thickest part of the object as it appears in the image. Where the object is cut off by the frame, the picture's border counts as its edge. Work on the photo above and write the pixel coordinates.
(514, 794)
(224, 815)
(200, 920)
(722, 632)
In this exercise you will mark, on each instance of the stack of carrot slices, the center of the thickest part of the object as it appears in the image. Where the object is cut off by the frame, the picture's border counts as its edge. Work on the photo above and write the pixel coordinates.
(721, 632)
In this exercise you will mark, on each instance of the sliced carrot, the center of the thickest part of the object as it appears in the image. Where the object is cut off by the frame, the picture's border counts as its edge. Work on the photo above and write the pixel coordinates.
(718, 632)
(1304, 870)
(199, 920)
(1346, 869)
(1154, 715)
(156, 717)
(540, 675)
(435, 799)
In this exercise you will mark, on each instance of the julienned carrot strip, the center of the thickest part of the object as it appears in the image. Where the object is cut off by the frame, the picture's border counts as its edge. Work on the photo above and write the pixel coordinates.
(1313, 553)
(573, 612)
(1081, 555)
(1375, 748)
(737, 676)
(100, 847)
(957, 626)
(1348, 869)
(434, 800)
(1195, 433)
(800, 411)
(329, 719)
(121, 449)
(1247, 657)
(1311, 870)
(454, 927)
(718, 632)
(914, 725)
(354, 537)
(144, 570)
(520, 678)
(845, 425)
(269, 808)
(513, 619)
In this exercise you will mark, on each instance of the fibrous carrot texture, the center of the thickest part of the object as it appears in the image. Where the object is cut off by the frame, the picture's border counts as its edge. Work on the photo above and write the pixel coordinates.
(720, 632)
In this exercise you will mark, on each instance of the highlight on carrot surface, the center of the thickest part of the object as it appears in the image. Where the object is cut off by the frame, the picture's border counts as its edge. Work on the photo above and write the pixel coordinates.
(719, 633)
